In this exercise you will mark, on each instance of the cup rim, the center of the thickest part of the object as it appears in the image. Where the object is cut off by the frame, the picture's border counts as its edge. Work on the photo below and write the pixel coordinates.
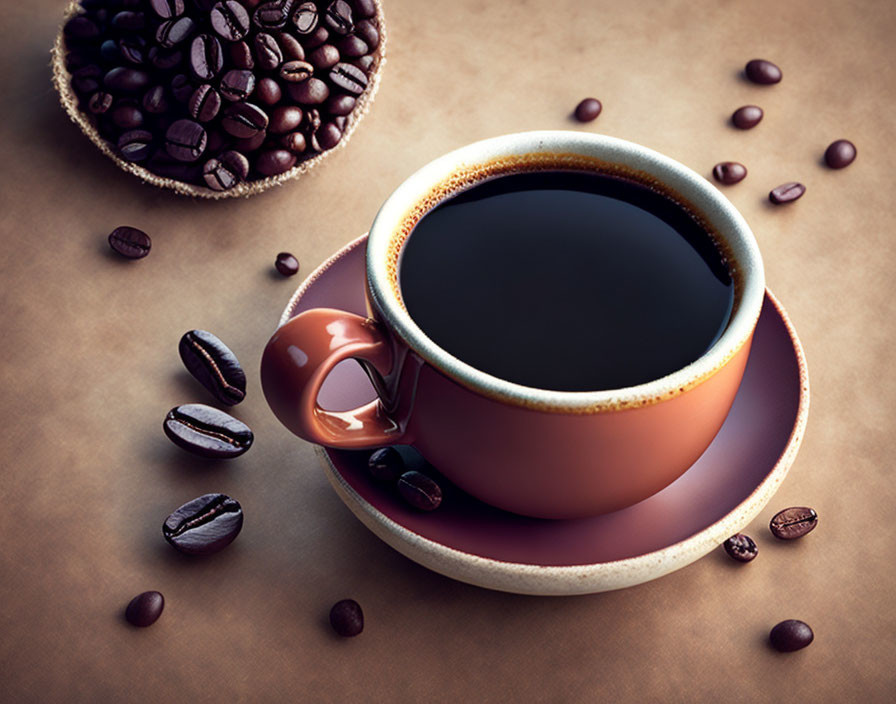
(705, 201)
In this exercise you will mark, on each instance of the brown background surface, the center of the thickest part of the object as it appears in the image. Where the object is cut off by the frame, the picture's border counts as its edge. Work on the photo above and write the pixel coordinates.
(89, 368)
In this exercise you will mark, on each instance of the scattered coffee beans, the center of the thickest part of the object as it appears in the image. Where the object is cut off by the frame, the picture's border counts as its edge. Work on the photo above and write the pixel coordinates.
(747, 116)
(177, 85)
(346, 618)
(130, 242)
(386, 465)
(287, 264)
(840, 154)
(786, 193)
(762, 72)
(207, 432)
(741, 547)
(419, 491)
(729, 172)
(204, 525)
(790, 635)
(794, 522)
(145, 609)
(213, 365)
(588, 109)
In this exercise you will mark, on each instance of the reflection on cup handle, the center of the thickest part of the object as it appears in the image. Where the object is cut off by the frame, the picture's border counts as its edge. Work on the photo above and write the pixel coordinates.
(297, 360)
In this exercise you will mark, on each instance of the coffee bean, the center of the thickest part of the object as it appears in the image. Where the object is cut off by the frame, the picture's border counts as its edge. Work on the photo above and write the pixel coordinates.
(324, 57)
(762, 72)
(346, 618)
(207, 432)
(80, 28)
(747, 116)
(386, 465)
(340, 122)
(369, 33)
(181, 88)
(241, 55)
(154, 101)
(226, 171)
(588, 109)
(310, 92)
(316, 38)
(204, 525)
(110, 52)
(135, 145)
(218, 141)
(130, 242)
(292, 49)
(352, 46)
(174, 31)
(294, 142)
(305, 18)
(272, 15)
(237, 84)
(794, 522)
(340, 104)
(166, 9)
(791, 635)
(204, 103)
(76, 59)
(206, 57)
(741, 548)
(364, 8)
(213, 365)
(338, 17)
(185, 140)
(349, 78)
(312, 120)
(250, 144)
(126, 80)
(86, 81)
(244, 120)
(127, 117)
(274, 161)
(132, 49)
(230, 20)
(296, 71)
(129, 21)
(268, 52)
(840, 154)
(364, 63)
(287, 264)
(268, 92)
(165, 58)
(419, 491)
(99, 102)
(285, 118)
(729, 172)
(329, 135)
(145, 609)
(786, 193)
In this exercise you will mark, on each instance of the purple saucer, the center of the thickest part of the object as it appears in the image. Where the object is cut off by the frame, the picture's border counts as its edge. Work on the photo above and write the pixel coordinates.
(471, 541)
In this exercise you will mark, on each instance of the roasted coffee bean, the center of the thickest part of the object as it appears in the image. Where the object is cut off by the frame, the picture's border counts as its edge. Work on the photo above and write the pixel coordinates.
(294, 142)
(100, 102)
(154, 101)
(786, 193)
(145, 609)
(165, 58)
(338, 17)
(174, 31)
(762, 72)
(181, 88)
(312, 120)
(419, 491)
(204, 103)
(218, 140)
(126, 80)
(267, 52)
(305, 18)
(310, 92)
(340, 104)
(316, 38)
(274, 161)
(207, 432)
(296, 71)
(741, 547)
(206, 57)
(251, 144)
(226, 171)
(268, 92)
(241, 55)
(132, 49)
(349, 78)
(86, 80)
(790, 635)
(292, 49)
(129, 21)
(328, 136)
(130, 242)
(287, 264)
(185, 140)
(794, 522)
(135, 145)
(352, 46)
(127, 117)
(237, 84)
(110, 52)
(747, 116)
(729, 172)
(213, 365)
(364, 63)
(244, 120)
(386, 465)
(204, 525)
(364, 8)
(324, 57)
(272, 15)
(346, 618)
(166, 9)
(840, 154)
(369, 33)
(340, 121)
(80, 28)
(285, 118)
(588, 109)
(230, 20)
(75, 60)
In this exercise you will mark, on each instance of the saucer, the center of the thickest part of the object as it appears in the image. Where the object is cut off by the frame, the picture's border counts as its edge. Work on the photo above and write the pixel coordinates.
(472, 542)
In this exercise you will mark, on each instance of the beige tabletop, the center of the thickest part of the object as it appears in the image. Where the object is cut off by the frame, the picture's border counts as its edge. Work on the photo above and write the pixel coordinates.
(90, 367)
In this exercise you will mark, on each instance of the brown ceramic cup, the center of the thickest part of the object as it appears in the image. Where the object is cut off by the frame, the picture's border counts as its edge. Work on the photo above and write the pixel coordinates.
(537, 452)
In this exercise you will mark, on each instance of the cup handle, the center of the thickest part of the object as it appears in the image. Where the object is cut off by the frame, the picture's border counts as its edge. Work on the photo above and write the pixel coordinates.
(298, 358)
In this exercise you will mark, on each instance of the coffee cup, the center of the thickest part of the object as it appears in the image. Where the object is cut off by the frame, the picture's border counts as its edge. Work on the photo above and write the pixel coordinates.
(568, 410)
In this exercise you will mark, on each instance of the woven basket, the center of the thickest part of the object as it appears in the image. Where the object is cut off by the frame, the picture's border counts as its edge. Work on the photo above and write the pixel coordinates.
(62, 83)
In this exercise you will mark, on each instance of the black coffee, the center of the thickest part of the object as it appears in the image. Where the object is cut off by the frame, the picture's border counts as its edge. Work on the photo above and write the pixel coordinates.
(566, 280)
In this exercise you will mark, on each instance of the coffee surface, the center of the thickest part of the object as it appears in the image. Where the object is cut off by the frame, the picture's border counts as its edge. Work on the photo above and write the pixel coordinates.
(566, 280)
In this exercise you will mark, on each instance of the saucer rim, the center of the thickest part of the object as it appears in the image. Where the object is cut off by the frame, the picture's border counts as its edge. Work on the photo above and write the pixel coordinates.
(564, 580)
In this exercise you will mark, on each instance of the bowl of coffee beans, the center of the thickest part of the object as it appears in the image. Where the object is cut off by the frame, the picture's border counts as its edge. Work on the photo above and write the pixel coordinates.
(219, 99)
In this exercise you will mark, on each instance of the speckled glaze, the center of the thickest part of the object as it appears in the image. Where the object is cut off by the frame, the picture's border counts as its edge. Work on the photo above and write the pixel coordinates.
(541, 453)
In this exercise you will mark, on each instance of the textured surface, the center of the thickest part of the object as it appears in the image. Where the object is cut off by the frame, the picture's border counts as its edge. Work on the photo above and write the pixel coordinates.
(90, 367)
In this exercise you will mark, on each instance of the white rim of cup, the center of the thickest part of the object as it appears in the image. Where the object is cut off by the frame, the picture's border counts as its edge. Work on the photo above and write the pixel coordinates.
(699, 194)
